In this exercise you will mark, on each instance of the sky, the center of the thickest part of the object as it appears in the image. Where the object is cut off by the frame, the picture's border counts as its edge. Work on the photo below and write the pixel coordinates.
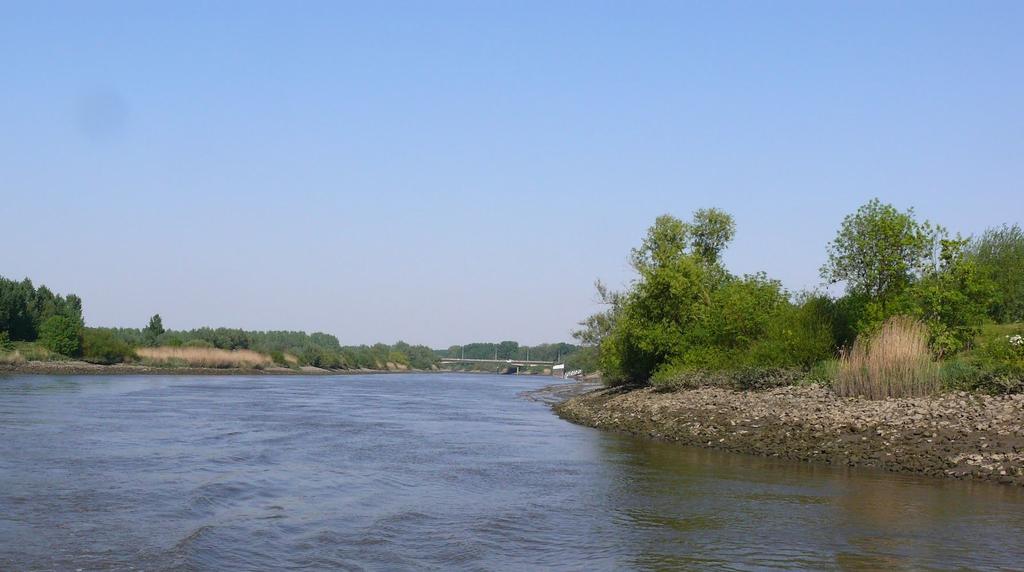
(444, 172)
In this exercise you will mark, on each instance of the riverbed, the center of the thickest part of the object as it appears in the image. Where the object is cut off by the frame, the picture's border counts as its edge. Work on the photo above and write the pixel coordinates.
(435, 471)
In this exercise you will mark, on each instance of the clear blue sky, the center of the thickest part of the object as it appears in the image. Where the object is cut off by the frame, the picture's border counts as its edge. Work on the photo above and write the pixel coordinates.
(445, 172)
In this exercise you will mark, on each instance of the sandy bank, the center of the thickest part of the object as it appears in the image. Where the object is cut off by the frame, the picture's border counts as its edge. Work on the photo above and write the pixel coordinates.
(954, 435)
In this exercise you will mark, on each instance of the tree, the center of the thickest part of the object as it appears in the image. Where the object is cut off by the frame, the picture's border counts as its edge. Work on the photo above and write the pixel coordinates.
(999, 256)
(711, 231)
(61, 335)
(669, 239)
(153, 330)
(101, 346)
(879, 251)
(952, 298)
(595, 327)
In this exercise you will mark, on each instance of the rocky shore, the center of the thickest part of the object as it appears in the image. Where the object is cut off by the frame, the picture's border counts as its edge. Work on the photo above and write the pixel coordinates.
(956, 435)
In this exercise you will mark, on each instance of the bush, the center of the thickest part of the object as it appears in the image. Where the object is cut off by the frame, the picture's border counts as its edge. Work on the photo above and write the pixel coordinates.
(278, 358)
(959, 374)
(61, 335)
(998, 363)
(670, 378)
(101, 346)
(5, 342)
(798, 335)
(895, 362)
(193, 344)
(824, 372)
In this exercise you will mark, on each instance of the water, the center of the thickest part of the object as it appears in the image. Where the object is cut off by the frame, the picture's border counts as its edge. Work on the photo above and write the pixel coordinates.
(394, 472)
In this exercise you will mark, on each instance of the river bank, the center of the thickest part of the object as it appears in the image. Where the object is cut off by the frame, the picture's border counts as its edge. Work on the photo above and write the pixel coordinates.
(955, 435)
(86, 368)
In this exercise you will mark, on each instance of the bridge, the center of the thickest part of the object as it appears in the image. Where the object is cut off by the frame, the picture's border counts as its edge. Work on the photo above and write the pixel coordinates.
(507, 363)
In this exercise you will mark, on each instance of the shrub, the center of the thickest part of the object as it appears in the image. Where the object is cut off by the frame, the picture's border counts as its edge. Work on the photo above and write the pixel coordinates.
(895, 362)
(824, 372)
(671, 377)
(676, 377)
(962, 375)
(33, 351)
(101, 346)
(61, 335)
(5, 341)
(999, 361)
(278, 358)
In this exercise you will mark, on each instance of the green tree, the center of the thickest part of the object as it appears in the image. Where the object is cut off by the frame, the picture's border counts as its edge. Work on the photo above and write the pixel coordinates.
(61, 335)
(101, 346)
(999, 256)
(878, 252)
(952, 297)
(879, 249)
(597, 326)
(153, 330)
(711, 231)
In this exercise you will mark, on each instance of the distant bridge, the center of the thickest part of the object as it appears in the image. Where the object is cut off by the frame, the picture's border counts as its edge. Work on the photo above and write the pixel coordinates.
(505, 362)
(508, 364)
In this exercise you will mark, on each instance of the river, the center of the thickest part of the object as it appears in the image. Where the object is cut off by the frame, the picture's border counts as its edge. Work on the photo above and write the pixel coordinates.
(435, 471)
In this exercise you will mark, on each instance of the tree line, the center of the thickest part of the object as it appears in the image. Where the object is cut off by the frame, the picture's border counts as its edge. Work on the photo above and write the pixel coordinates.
(55, 322)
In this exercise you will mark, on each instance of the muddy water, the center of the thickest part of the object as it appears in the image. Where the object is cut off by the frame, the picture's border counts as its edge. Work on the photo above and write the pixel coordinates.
(434, 472)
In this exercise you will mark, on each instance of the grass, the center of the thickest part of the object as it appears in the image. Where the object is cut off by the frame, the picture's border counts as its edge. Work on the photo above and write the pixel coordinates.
(34, 351)
(203, 357)
(895, 362)
(12, 357)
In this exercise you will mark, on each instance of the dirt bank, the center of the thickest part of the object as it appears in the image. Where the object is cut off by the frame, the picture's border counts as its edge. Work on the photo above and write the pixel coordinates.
(954, 435)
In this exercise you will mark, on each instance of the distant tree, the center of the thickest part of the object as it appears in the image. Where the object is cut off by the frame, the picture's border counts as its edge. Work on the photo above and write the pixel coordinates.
(101, 346)
(508, 350)
(61, 335)
(16, 314)
(153, 330)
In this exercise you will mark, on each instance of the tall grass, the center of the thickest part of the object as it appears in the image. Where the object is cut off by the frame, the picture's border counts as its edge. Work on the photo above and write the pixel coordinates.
(204, 357)
(894, 362)
(11, 358)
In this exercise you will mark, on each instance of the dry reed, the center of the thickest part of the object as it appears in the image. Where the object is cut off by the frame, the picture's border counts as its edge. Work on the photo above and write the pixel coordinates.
(13, 357)
(204, 357)
(894, 362)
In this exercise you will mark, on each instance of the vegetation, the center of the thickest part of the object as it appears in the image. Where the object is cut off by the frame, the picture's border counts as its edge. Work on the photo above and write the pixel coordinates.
(38, 325)
(893, 362)
(685, 320)
(203, 357)
(999, 257)
(61, 335)
(24, 309)
(100, 346)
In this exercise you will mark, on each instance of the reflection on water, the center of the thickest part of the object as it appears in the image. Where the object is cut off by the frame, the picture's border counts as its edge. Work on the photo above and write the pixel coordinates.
(434, 471)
